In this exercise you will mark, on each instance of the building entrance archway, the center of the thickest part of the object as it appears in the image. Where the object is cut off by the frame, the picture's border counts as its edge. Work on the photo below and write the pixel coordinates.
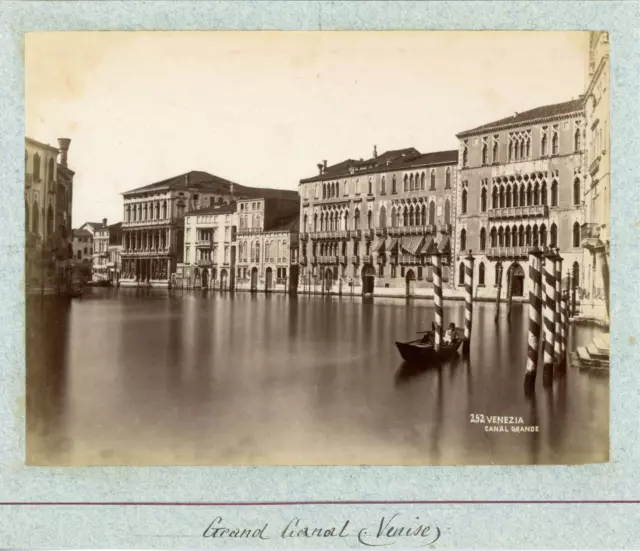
(368, 279)
(328, 280)
(410, 282)
(223, 280)
(254, 279)
(516, 275)
(268, 280)
(205, 278)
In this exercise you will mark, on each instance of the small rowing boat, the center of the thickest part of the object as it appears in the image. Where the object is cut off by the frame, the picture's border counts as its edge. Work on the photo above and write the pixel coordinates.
(423, 350)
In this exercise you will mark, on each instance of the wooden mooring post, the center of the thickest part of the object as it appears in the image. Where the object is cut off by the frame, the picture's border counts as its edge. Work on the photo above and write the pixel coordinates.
(468, 302)
(535, 317)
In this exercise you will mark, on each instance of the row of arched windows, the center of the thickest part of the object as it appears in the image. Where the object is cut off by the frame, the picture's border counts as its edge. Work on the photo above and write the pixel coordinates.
(521, 236)
(482, 274)
(249, 221)
(156, 210)
(32, 218)
(37, 167)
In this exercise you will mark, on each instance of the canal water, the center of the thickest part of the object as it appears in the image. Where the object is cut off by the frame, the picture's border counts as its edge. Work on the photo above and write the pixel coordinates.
(153, 377)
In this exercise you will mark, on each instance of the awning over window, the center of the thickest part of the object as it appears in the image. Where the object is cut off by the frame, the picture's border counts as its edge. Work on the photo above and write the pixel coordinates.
(429, 247)
(444, 247)
(412, 244)
(393, 243)
(379, 246)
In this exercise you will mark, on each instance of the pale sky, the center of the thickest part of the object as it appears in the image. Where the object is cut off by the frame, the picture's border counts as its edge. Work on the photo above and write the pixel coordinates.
(263, 108)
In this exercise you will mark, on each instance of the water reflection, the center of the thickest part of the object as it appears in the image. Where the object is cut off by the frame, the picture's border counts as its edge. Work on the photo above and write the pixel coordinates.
(169, 377)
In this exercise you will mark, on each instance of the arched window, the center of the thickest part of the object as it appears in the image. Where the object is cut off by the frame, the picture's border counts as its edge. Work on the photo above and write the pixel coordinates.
(447, 179)
(535, 235)
(433, 179)
(369, 219)
(527, 236)
(500, 237)
(50, 221)
(382, 217)
(423, 212)
(576, 234)
(507, 196)
(465, 157)
(483, 239)
(411, 184)
(521, 236)
(543, 236)
(50, 171)
(577, 142)
(501, 196)
(576, 191)
(464, 202)
(554, 144)
(515, 195)
(494, 197)
(447, 212)
(576, 275)
(257, 251)
(543, 194)
(370, 192)
(405, 217)
(315, 222)
(554, 194)
(36, 167)
(536, 194)
(324, 191)
(507, 237)
(484, 154)
(267, 250)
(406, 182)
(394, 188)
(356, 220)
(26, 217)
(481, 274)
(461, 274)
(522, 196)
(543, 145)
(422, 181)
(164, 209)
(383, 186)
(394, 218)
(483, 200)
(495, 152)
(411, 217)
(304, 223)
(494, 237)
(432, 213)
(529, 195)
(35, 217)
(463, 240)
(346, 220)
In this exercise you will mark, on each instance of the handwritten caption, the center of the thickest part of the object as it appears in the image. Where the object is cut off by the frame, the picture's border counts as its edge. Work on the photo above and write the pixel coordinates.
(385, 532)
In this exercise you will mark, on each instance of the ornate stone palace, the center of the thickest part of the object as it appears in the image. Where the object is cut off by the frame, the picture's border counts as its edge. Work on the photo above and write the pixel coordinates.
(521, 184)
(366, 225)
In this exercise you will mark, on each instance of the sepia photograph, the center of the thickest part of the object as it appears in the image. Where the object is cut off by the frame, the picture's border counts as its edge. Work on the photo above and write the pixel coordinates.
(316, 248)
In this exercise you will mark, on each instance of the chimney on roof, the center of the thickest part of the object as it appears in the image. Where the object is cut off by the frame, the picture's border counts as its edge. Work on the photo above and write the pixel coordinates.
(319, 165)
(375, 151)
(104, 222)
(63, 145)
(324, 165)
(515, 114)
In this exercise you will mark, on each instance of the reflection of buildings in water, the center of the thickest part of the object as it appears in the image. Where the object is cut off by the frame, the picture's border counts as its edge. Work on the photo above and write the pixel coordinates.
(47, 323)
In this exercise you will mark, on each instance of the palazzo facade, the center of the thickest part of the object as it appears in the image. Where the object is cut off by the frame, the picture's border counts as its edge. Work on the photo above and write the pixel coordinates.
(153, 224)
(521, 184)
(369, 227)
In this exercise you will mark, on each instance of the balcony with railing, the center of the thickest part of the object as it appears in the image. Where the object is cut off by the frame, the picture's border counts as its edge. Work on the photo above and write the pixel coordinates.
(249, 231)
(530, 211)
(342, 234)
(204, 243)
(412, 230)
(355, 234)
(204, 262)
(508, 252)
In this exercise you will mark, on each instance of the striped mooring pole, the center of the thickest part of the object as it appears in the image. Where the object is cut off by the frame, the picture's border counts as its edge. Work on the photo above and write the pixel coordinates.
(509, 294)
(549, 314)
(564, 333)
(437, 299)
(535, 316)
(468, 302)
(557, 348)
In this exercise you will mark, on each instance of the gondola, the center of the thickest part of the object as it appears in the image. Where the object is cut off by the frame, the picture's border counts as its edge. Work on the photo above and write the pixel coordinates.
(422, 350)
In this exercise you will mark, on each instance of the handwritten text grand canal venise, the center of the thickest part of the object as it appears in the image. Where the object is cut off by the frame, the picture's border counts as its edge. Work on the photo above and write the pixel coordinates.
(383, 532)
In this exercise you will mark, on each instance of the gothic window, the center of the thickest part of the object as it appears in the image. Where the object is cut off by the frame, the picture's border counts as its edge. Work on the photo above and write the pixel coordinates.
(432, 213)
(527, 235)
(406, 182)
(35, 217)
(356, 220)
(500, 237)
(36, 167)
(411, 185)
(394, 188)
(483, 239)
(411, 220)
(535, 235)
(447, 212)
(369, 219)
(543, 194)
(423, 213)
(555, 140)
(481, 274)
(461, 274)
(507, 237)
(543, 142)
(576, 234)
(494, 198)
(522, 196)
(447, 179)
(501, 196)
(422, 181)
(577, 142)
(382, 218)
(576, 191)
(463, 240)
(529, 195)
(405, 217)
(50, 221)
(495, 150)
(483, 200)
(50, 171)
(536, 194)
(383, 186)
(465, 154)
(464, 202)
(543, 236)
(433, 180)
(485, 153)
(324, 191)
(494, 237)
(394, 218)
